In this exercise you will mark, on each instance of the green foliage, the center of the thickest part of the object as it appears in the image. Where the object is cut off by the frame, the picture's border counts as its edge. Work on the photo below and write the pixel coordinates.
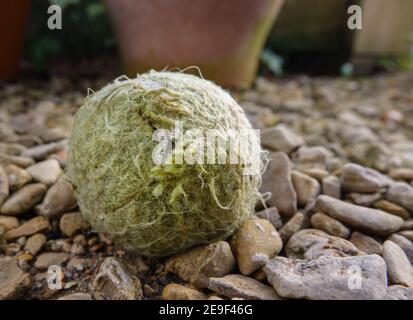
(273, 61)
(86, 31)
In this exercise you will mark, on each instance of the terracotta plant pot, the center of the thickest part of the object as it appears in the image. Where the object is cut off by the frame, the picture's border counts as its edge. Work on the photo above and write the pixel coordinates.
(13, 20)
(222, 38)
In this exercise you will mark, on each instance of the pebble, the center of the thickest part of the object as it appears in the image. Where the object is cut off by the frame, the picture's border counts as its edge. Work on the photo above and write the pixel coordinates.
(174, 291)
(9, 222)
(331, 186)
(199, 264)
(255, 242)
(392, 208)
(47, 171)
(3, 242)
(12, 249)
(148, 291)
(371, 220)
(16, 160)
(318, 174)
(35, 243)
(24, 199)
(312, 157)
(327, 277)
(59, 245)
(401, 174)
(34, 225)
(59, 198)
(356, 178)
(115, 281)
(272, 215)
(312, 243)
(401, 193)
(371, 154)
(47, 259)
(293, 225)
(280, 138)
(13, 281)
(407, 225)
(79, 264)
(277, 180)
(17, 176)
(363, 199)
(398, 266)
(4, 185)
(331, 226)
(70, 223)
(239, 286)
(404, 243)
(76, 296)
(41, 152)
(366, 243)
(13, 149)
(407, 234)
(397, 292)
(307, 188)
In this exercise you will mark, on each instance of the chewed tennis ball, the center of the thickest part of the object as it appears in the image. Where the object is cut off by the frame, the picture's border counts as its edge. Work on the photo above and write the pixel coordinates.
(154, 207)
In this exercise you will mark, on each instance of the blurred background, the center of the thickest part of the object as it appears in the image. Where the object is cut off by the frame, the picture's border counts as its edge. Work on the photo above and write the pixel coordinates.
(230, 41)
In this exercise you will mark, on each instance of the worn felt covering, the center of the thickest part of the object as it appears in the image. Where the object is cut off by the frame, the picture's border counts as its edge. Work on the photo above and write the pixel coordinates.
(155, 209)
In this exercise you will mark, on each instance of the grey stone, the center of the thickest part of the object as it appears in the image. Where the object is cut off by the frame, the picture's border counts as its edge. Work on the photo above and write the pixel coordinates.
(47, 259)
(328, 277)
(47, 171)
(292, 226)
(277, 180)
(356, 178)
(402, 194)
(24, 199)
(398, 266)
(4, 185)
(272, 215)
(115, 281)
(58, 199)
(331, 186)
(280, 138)
(312, 243)
(331, 226)
(397, 292)
(13, 281)
(371, 220)
(366, 243)
(239, 286)
(363, 199)
(306, 188)
(404, 243)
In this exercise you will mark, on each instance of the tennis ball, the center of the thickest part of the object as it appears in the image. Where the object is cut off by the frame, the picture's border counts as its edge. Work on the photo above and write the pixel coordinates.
(161, 208)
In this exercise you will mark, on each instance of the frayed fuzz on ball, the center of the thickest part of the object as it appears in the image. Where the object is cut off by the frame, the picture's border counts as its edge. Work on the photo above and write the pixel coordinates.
(158, 209)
